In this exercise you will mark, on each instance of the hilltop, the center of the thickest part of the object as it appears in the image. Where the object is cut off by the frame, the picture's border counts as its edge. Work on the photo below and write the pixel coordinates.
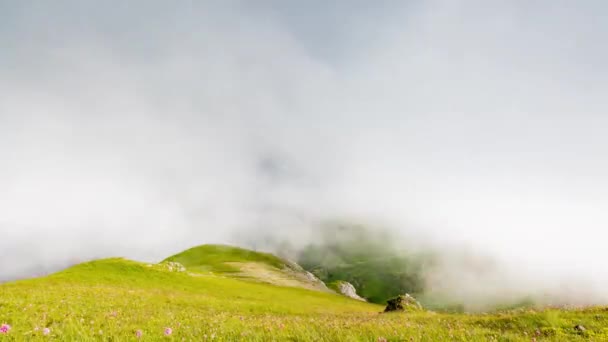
(247, 264)
(118, 299)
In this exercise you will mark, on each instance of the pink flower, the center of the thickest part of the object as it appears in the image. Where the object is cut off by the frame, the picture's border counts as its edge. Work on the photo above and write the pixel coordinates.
(139, 333)
(46, 331)
(168, 331)
(5, 328)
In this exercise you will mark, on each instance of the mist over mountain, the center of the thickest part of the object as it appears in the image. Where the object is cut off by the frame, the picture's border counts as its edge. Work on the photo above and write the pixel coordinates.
(465, 128)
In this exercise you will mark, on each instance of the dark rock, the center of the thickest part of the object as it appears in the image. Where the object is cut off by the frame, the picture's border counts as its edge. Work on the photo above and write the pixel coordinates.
(403, 303)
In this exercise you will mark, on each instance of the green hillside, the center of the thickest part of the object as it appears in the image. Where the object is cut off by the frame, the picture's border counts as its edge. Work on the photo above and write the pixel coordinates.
(367, 259)
(117, 299)
(218, 258)
(246, 264)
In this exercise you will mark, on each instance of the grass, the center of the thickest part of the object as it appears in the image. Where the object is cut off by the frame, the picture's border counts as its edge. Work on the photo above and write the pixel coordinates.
(111, 299)
(217, 258)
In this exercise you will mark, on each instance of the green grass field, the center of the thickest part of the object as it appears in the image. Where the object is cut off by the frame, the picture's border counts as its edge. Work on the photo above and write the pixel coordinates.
(115, 299)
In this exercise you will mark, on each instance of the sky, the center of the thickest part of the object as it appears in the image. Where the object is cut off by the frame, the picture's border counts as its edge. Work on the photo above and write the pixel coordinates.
(141, 128)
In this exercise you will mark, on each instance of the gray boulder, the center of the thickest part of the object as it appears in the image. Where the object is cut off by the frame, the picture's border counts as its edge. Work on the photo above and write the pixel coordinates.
(347, 289)
(403, 303)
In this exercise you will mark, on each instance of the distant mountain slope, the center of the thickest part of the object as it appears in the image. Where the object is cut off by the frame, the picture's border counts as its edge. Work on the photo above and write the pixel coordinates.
(371, 261)
(247, 264)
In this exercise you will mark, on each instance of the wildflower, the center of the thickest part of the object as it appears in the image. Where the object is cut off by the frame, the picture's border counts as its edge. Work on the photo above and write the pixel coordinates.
(168, 331)
(138, 333)
(46, 331)
(5, 328)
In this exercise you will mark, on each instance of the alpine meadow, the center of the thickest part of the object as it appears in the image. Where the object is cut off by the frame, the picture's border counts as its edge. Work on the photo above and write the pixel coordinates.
(234, 170)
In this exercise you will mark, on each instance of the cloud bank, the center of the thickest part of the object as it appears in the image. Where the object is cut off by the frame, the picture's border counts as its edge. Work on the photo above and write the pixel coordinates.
(144, 128)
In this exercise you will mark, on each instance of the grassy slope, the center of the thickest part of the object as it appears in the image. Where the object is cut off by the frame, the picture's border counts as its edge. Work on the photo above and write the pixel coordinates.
(112, 298)
(217, 258)
(246, 264)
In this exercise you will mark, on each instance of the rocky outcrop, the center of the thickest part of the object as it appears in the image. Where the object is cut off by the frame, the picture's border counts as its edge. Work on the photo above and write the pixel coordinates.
(297, 272)
(173, 266)
(403, 303)
(347, 289)
(311, 277)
